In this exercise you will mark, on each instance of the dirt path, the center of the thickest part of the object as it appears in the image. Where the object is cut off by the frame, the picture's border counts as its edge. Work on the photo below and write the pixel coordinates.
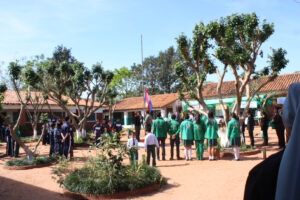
(222, 179)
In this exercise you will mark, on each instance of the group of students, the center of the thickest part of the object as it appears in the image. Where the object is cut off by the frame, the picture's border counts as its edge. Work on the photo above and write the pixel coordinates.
(61, 138)
(203, 127)
(106, 128)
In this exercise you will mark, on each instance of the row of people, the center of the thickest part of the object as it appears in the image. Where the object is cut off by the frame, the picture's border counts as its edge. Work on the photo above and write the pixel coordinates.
(202, 128)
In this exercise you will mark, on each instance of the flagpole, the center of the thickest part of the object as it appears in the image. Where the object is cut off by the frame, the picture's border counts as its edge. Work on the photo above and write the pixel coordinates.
(143, 73)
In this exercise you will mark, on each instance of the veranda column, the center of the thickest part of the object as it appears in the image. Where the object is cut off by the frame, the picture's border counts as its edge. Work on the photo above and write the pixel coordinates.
(126, 118)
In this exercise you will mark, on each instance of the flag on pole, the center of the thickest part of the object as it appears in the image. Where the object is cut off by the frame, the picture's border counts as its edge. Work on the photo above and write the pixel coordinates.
(147, 101)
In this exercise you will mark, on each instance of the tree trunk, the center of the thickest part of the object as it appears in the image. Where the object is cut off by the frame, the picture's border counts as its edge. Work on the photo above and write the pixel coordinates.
(81, 133)
(35, 133)
(28, 152)
(40, 139)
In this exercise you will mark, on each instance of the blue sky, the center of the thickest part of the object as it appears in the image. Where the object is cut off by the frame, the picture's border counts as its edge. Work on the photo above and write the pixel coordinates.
(109, 31)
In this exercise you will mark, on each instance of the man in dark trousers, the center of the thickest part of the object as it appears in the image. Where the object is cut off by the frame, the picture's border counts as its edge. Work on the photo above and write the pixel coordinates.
(279, 126)
(66, 136)
(137, 125)
(250, 126)
(160, 128)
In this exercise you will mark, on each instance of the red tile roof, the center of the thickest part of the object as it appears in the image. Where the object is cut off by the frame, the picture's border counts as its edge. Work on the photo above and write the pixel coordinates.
(10, 98)
(158, 101)
(281, 83)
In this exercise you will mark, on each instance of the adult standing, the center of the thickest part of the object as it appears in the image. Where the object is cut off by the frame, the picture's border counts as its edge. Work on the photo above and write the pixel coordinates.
(173, 131)
(66, 136)
(160, 128)
(137, 124)
(279, 127)
(187, 136)
(211, 134)
(234, 135)
(148, 122)
(264, 127)
(58, 139)
(250, 126)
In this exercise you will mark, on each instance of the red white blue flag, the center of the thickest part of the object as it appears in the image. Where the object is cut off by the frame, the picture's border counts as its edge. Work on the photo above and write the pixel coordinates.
(147, 101)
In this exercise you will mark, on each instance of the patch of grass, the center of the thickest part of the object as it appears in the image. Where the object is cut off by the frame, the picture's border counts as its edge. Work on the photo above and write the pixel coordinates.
(30, 139)
(244, 147)
(83, 140)
(35, 161)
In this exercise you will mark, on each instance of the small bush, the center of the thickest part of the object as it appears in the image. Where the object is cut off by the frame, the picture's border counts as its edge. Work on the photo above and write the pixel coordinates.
(35, 161)
(105, 174)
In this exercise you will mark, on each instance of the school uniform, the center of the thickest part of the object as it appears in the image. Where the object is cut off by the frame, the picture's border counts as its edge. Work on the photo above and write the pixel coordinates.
(148, 123)
(250, 127)
(52, 142)
(46, 135)
(160, 128)
(67, 143)
(137, 125)
(187, 132)
(98, 131)
(9, 143)
(117, 126)
(211, 132)
(132, 145)
(279, 127)
(234, 132)
(58, 147)
(199, 131)
(150, 143)
(174, 129)
(264, 128)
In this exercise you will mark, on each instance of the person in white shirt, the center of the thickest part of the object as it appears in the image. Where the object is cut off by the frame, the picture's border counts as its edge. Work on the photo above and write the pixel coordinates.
(150, 144)
(132, 145)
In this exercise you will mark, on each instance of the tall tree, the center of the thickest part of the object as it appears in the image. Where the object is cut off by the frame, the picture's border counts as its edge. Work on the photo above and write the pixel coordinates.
(239, 39)
(65, 79)
(123, 83)
(197, 60)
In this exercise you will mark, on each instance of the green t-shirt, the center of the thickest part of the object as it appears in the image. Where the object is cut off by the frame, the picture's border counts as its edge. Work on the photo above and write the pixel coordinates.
(173, 127)
(211, 130)
(160, 128)
(187, 130)
(234, 129)
(199, 130)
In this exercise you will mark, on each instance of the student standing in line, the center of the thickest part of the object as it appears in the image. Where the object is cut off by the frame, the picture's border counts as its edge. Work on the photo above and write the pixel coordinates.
(57, 139)
(117, 126)
(211, 134)
(51, 137)
(9, 142)
(66, 138)
(160, 128)
(199, 131)
(132, 145)
(173, 130)
(98, 131)
(187, 136)
(150, 143)
(234, 135)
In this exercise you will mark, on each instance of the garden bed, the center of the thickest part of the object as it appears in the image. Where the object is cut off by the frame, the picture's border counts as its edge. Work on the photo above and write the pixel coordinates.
(120, 195)
(23, 164)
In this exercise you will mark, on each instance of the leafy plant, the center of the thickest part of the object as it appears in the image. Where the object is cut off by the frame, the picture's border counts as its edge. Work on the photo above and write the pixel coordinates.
(106, 174)
(35, 161)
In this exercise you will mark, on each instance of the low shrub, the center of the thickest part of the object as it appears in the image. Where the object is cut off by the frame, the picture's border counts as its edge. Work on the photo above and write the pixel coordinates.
(30, 139)
(106, 174)
(35, 161)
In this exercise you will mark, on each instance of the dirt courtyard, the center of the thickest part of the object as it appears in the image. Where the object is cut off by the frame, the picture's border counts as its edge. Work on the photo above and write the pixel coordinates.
(221, 179)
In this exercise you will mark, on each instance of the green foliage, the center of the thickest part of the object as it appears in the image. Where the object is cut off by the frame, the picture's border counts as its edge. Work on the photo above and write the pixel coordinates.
(244, 147)
(35, 161)
(44, 118)
(14, 70)
(29, 139)
(106, 174)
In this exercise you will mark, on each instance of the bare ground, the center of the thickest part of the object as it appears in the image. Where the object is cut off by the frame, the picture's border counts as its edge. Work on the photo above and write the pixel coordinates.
(222, 179)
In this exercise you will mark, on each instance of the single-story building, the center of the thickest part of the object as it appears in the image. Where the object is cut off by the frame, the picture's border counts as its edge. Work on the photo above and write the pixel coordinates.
(168, 103)
(11, 108)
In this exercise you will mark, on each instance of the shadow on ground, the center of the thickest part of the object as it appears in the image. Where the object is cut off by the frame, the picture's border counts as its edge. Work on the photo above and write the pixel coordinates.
(15, 190)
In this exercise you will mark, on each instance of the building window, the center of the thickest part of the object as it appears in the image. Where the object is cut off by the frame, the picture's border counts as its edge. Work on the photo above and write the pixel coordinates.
(15, 116)
(92, 117)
